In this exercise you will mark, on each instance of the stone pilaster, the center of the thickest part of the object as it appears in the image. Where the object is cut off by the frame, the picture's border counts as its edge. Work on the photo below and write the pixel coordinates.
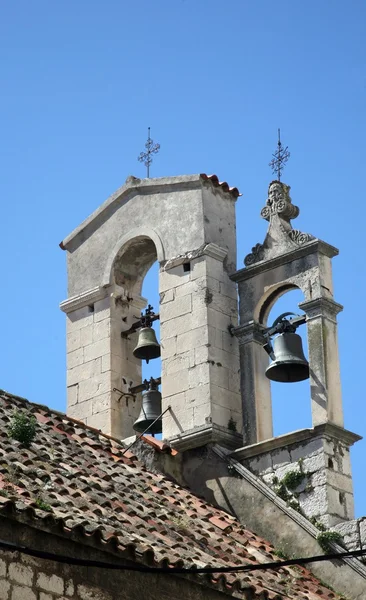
(255, 387)
(325, 383)
(200, 358)
(99, 359)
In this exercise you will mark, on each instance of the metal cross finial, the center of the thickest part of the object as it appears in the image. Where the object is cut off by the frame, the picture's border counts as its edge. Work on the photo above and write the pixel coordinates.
(151, 148)
(280, 158)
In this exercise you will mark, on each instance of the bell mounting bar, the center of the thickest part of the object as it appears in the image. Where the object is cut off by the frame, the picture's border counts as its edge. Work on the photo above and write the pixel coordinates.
(145, 385)
(282, 325)
(145, 321)
(136, 389)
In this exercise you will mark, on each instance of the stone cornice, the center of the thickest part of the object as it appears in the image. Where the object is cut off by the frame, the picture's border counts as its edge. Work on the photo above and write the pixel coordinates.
(315, 246)
(210, 249)
(322, 306)
(206, 434)
(251, 331)
(329, 430)
(83, 299)
(215, 251)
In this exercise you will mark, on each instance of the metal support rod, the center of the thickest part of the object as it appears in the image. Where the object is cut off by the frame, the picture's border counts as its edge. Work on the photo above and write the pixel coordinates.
(137, 325)
(146, 430)
(123, 394)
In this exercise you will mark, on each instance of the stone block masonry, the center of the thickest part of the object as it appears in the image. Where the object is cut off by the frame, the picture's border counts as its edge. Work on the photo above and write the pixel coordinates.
(98, 360)
(311, 473)
(25, 578)
(200, 376)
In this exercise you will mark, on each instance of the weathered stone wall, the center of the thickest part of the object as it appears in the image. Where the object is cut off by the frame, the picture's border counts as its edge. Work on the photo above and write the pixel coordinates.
(200, 376)
(313, 476)
(98, 360)
(26, 578)
(353, 533)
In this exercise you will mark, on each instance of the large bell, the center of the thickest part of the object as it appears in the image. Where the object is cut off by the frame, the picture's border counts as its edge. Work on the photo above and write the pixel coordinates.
(150, 410)
(290, 364)
(147, 345)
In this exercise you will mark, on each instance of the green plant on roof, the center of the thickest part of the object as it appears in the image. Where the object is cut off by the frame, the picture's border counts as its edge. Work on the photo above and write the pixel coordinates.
(325, 539)
(43, 505)
(23, 428)
(280, 553)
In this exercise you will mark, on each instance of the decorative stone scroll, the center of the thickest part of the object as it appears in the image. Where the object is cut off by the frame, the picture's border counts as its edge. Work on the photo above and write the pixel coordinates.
(280, 238)
(256, 255)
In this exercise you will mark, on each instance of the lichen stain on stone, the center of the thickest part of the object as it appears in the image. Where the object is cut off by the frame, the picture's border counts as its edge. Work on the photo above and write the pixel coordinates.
(208, 296)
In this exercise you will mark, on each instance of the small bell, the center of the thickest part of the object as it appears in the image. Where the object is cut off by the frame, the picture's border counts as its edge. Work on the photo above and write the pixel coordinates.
(147, 345)
(150, 410)
(290, 364)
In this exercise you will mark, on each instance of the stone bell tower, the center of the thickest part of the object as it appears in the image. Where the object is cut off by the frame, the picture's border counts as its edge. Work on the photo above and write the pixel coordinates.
(289, 259)
(187, 224)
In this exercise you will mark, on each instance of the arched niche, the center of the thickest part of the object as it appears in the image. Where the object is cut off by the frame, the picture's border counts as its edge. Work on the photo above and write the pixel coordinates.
(269, 299)
(132, 257)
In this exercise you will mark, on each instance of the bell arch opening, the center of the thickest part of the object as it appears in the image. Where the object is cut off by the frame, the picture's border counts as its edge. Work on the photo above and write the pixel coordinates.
(132, 263)
(291, 403)
(136, 269)
(150, 290)
(135, 275)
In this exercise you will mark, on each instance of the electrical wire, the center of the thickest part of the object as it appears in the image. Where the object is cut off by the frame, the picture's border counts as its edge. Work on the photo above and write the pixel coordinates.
(179, 570)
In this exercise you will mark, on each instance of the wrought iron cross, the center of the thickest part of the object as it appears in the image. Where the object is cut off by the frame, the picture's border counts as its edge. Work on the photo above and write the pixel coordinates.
(151, 148)
(280, 158)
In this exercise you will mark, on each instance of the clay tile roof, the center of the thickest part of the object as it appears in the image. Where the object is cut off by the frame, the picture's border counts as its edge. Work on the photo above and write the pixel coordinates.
(94, 490)
(222, 184)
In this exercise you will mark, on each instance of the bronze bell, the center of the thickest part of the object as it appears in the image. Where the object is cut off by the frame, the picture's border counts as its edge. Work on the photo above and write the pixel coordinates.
(290, 364)
(147, 345)
(150, 411)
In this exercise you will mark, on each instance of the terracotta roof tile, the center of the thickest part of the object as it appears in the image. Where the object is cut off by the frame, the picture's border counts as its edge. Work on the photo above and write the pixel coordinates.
(224, 186)
(116, 501)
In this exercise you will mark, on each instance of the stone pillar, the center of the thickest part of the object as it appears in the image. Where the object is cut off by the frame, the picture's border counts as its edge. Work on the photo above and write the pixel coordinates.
(255, 387)
(325, 383)
(99, 359)
(200, 358)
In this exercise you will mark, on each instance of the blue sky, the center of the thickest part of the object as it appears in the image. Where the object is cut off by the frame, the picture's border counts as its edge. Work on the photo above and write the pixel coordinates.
(80, 83)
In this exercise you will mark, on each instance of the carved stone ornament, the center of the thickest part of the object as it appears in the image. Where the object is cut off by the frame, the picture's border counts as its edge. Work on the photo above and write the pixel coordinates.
(280, 238)
(256, 255)
(299, 237)
(279, 202)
